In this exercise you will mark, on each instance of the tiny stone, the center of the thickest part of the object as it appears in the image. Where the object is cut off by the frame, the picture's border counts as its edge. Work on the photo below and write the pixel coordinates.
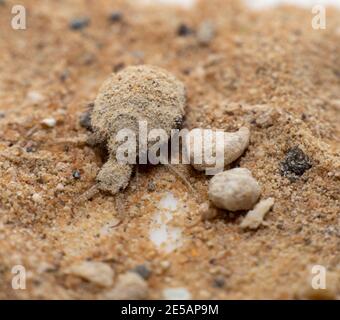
(37, 198)
(151, 186)
(85, 120)
(205, 33)
(183, 30)
(35, 97)
(2, 114)
(31, 146)
(130, 286)
(49, 122)
(116, 16)
(295, 164)
(219, 282)
(176, 294)
(79, 23)
(143, 271)
(165, 265)
(97, 272)
(76, 174)
(60, 187)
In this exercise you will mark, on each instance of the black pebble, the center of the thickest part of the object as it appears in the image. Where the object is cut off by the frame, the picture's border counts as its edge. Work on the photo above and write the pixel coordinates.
(116, 16)
(143, 271)
(295, 163)
(183, 30)
(219, 282)
(2, 114)
(85, 118)
(30, 149)
(79, 23)
(76, 174)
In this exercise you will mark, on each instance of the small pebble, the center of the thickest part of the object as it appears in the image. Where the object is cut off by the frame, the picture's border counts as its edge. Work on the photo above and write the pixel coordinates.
(35, 97)
(176, 294)
(85, 120)
(76, 174)
(97, 272)
(130, 286)
(49, 122)
(165, 265)
(60, 187)
(2, 114)
(143, 271)
(205, 33)
(79, 23)
(37, 198)
(115, 16)
(31, 146)
(151, 186)
(183, 30)
(234, 190)
(219, 282)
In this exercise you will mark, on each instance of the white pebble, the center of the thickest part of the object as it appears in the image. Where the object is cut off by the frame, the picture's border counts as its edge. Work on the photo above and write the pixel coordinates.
(60, 187)
(37, 198)
(97, 272)
(234, 190)
(49, 122)
(35, 97)
(206, 32)
(130, 286)
(254, 218)
(176, 294)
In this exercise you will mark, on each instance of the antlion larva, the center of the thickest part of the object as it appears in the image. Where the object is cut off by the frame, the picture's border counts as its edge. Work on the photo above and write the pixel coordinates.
(135, 94)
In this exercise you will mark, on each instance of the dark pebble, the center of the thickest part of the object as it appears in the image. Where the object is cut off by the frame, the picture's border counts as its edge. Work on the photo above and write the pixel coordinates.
(119, 66)
(219, 282)
(295, 164)
(30, 149)
(76, 174)
(116, 16)
(183, 30)
(143, 271)
(151, 186)
(2, 114)
(79, 23)
(85, 118)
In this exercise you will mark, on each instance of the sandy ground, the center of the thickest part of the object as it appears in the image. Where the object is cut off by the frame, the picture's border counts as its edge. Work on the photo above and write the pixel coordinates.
(269, 71)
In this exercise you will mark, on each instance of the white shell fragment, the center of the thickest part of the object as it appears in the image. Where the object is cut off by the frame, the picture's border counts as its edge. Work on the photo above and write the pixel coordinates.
(97, 272)
(232, 146)
(254, 218)
(234, 190)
